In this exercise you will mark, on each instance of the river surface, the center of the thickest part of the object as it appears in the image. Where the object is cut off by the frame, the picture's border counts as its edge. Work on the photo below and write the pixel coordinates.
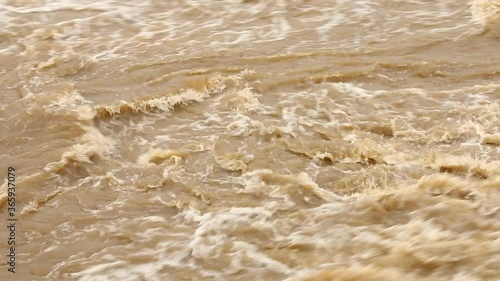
(294, 140)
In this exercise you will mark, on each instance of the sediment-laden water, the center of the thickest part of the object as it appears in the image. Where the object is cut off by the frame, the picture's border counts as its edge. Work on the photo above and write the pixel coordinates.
(252, 140)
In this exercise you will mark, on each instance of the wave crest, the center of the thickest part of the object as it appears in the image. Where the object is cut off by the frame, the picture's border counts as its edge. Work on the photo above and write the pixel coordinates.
(487, 13)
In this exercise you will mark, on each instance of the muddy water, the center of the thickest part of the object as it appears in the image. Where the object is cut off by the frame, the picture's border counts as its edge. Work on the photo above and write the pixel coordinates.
(252, 140)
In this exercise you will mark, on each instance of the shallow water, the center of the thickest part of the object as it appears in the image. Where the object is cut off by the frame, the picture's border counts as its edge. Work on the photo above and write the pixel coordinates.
(252, 140)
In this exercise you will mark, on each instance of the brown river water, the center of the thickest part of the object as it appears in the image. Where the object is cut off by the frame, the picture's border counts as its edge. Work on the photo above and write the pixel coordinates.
(292, 140)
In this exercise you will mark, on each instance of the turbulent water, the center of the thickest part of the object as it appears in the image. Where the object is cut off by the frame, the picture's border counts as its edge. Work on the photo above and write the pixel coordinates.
(252, 140)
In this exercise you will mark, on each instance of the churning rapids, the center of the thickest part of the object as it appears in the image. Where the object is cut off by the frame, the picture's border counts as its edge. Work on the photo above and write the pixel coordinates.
(294, 140)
